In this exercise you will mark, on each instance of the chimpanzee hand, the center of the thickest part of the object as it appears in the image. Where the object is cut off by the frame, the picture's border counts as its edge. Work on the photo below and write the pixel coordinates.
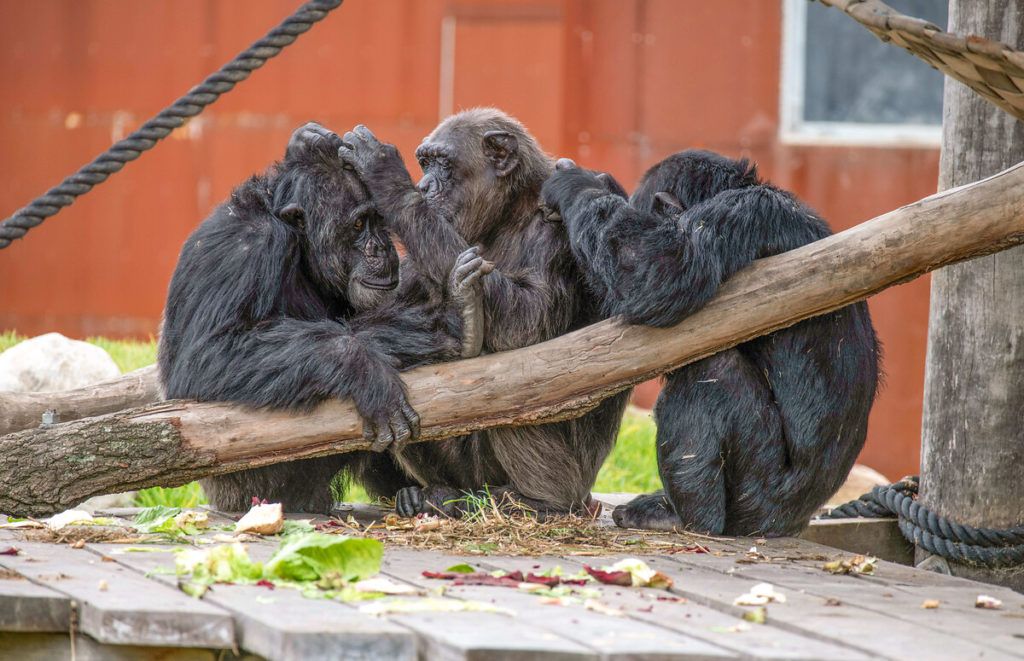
(466, 291)
(310, 137)
(378, 164)
(388, 419)
(568, 181)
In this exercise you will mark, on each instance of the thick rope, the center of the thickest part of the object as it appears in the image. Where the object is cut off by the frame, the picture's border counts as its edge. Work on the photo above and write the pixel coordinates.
(936, 534)
(167, 120)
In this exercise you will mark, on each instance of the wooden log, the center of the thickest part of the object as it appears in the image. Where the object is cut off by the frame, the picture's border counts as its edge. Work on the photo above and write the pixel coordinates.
(972, 447)
(21, 410)
(50, 468)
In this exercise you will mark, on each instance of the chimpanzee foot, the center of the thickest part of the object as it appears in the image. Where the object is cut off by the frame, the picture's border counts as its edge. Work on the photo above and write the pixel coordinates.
(434, 499)
(650, 512)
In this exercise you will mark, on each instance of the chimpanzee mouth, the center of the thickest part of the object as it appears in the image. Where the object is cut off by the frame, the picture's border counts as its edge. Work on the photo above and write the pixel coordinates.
(370, 283)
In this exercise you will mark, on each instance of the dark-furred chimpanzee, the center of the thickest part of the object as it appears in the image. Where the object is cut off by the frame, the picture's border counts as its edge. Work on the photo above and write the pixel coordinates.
(482, 177)
(285, 297)
(753, 439)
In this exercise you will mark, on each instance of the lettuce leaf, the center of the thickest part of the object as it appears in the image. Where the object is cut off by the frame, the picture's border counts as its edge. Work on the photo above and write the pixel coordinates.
(311, 556)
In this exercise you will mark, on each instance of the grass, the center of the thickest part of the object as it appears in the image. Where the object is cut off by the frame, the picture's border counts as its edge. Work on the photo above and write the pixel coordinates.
(128, 354)
(630, 467)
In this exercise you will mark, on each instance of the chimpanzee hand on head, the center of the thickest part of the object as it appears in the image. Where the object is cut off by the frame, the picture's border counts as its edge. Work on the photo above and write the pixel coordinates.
(569, 182)
(311, 137)
(378, 164)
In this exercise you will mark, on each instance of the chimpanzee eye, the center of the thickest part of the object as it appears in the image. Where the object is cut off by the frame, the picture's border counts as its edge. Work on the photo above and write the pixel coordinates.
(424, 164)
(359, 224)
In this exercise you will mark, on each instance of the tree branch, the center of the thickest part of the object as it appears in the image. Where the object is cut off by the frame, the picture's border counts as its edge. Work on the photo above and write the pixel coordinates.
(47, 469)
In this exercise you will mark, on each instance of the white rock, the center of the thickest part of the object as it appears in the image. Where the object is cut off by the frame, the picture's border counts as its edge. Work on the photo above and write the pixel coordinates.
(53, 362)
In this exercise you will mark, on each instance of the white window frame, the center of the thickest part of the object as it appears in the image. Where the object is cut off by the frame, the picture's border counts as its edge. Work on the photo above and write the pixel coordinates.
(792, 126)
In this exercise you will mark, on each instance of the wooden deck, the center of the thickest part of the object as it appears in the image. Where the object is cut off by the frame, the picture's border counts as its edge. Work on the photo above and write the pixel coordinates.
(115, 608)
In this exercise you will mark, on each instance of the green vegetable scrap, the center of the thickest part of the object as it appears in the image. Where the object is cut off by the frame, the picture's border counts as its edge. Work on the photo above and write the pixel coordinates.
(171, 521)
(227, 563)
(310, 556)
(317, 564)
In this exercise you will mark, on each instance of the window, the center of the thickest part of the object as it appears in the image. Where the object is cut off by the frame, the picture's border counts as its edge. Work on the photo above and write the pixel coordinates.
(841, 84)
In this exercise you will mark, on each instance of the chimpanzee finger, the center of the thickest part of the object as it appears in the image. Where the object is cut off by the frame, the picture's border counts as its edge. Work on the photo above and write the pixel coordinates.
(565, 164)
(384, 437)
(366, 134)
(347, 158)
(463, 272)
(468, 254)
(368, 431)
(408, 501)
(315, 135)
(400, 430)
(487, 267)
(414, 420)
(353, 141)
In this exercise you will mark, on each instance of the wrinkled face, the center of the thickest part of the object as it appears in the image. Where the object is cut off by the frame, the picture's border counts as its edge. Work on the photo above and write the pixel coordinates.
(458, 181)
(373, 260)
(349, 250)
(438, 160)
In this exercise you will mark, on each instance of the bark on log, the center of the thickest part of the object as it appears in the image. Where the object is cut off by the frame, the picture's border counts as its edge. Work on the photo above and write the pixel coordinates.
(51, 468)
(971, 432)
(21, 410)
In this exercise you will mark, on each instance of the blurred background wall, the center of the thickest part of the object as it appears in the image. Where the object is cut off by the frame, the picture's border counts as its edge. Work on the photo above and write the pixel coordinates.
(825, 109)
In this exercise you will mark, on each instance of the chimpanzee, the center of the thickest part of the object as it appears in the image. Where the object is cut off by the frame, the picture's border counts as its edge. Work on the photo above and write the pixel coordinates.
(482, 177)
(286, 296)
(753, 439)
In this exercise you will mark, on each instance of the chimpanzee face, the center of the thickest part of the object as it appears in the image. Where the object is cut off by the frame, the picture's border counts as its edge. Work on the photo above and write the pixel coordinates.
(440, 182)
(463, 168)
(347, 249)
(372, 259)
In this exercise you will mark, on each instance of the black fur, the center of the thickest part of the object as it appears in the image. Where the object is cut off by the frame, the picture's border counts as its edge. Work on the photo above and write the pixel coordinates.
(751, 440)
(482, 176)
(285, 297)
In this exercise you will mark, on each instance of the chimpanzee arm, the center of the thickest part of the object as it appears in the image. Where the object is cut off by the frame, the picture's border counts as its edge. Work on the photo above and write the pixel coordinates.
(642, 265)
(225, 336)
(522, 297)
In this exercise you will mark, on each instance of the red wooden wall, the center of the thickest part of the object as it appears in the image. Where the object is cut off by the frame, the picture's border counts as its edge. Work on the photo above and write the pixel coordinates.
(615, 84)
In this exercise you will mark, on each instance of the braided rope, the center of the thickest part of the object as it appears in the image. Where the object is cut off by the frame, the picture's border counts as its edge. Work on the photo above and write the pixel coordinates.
(170, 118)
(935, 533)
(991, 68)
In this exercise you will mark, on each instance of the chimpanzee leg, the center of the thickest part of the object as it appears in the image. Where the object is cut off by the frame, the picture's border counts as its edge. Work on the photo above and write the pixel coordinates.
(300, 486)
(715, 419)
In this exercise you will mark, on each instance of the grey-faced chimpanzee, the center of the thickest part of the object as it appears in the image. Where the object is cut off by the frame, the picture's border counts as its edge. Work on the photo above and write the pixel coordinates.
(482, 177)
(753, 439)
(286, 296)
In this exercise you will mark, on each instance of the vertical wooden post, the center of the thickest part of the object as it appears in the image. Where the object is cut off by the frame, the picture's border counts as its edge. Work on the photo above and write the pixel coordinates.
(972, 459)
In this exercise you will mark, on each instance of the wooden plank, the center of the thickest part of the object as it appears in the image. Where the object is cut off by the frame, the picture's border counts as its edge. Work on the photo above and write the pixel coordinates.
(483, 636)
(898, 591)
(488, 637)
(57, 647)
(281, 624)
(130, 609)
(25, 606)
(866, 623)
(878, 537)
(692, 619)
(611, 637)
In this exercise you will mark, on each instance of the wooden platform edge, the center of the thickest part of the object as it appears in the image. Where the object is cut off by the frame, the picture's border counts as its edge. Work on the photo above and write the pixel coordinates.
(878, 537)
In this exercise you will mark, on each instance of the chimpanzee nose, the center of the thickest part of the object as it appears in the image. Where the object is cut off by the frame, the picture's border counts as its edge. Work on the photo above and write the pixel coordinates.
(425, 185)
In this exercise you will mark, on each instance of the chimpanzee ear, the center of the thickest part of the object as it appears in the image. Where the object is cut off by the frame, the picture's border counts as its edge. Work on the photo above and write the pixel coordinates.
(292, 214)
(669, 203)
(502, 149)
